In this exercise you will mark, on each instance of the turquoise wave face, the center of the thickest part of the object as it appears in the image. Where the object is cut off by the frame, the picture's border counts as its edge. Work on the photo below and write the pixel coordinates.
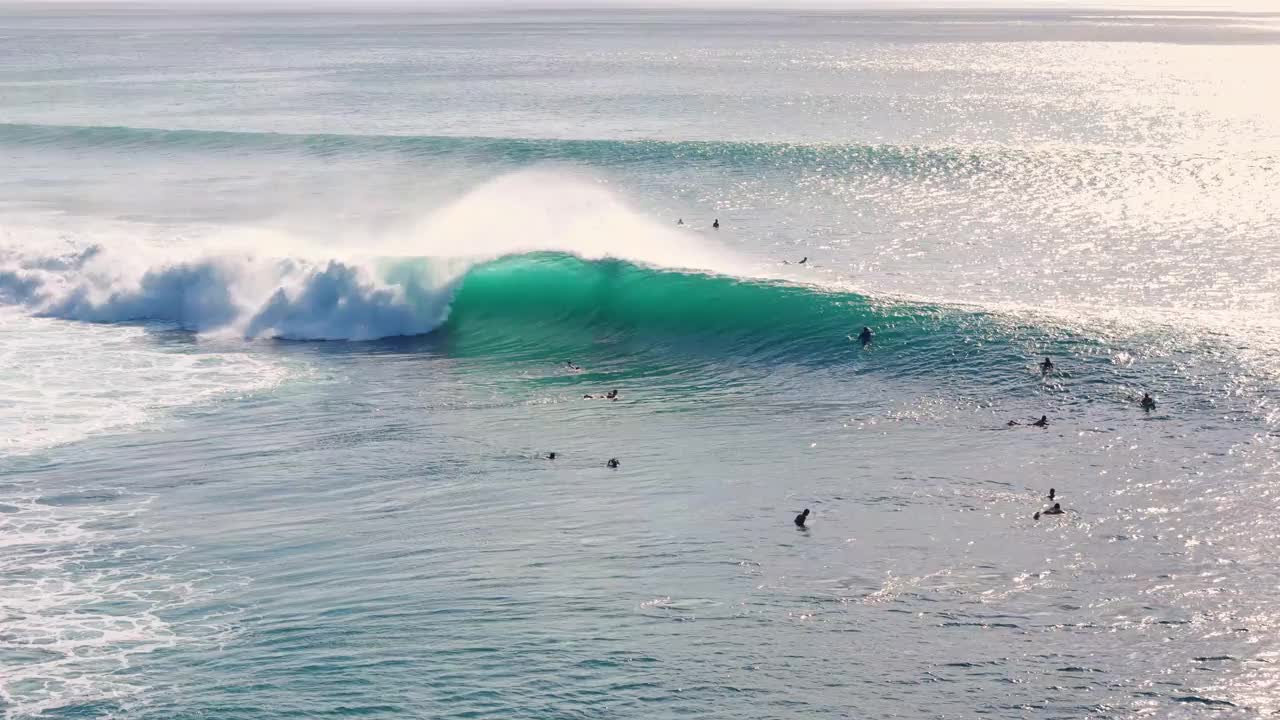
(550, 304)
(552, 307)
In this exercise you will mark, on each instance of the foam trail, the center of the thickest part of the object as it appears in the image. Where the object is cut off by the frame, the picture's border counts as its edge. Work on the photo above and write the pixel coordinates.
(73, 622)
(45, 401)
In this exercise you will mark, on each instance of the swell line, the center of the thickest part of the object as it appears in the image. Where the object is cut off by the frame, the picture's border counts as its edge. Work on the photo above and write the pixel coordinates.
(519, 151)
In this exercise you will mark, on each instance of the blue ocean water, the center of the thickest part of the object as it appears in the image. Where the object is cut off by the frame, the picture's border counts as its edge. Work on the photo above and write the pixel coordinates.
(294, 304)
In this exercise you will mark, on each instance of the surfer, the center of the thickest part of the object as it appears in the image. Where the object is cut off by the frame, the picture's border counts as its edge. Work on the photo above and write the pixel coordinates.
(802, 517)
(1055, 510)
(551, 456)
(611, 395)
(1046, 367)
(716, 224)
(1052, 493)
(1042, 422)
(613, 462)
(569, 364)
(803, 260)
(1148, 402)
(680, 221)
(866, 336)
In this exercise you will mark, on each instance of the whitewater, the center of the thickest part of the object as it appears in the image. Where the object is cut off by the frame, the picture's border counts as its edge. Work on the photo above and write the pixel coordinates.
(294, 306)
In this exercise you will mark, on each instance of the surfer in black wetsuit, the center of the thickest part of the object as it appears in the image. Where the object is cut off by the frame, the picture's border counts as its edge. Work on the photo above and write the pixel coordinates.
(1055, 510)
(802, 517)
(613, 462)
(716, 224)
(551, 456)
(1046, 367)
(569, 364)
(680, 221)
(1042, 422)
(1148, 402)
(1052, 493)
(866, 336)
(803, 260)
(611, 395)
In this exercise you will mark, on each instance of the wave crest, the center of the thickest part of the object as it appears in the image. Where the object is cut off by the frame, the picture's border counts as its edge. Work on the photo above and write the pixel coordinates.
(301, 289)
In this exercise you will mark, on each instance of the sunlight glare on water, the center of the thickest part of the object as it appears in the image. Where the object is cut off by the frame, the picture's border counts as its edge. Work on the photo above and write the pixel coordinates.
(296, 304)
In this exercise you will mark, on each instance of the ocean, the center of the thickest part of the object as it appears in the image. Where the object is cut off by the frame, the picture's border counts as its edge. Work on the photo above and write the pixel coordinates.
(294, 304)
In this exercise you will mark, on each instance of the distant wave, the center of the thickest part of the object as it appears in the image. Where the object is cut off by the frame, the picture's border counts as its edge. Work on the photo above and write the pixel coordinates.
(518, 152)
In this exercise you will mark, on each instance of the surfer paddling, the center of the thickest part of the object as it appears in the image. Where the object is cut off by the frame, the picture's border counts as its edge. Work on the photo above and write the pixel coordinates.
(1055, 510)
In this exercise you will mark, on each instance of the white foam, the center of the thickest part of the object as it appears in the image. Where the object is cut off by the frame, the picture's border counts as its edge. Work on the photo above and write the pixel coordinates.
(61, 381)
(255, 283)
(79, 603)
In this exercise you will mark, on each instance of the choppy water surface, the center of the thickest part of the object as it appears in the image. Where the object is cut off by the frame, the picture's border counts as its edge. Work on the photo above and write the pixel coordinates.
(286, 302)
